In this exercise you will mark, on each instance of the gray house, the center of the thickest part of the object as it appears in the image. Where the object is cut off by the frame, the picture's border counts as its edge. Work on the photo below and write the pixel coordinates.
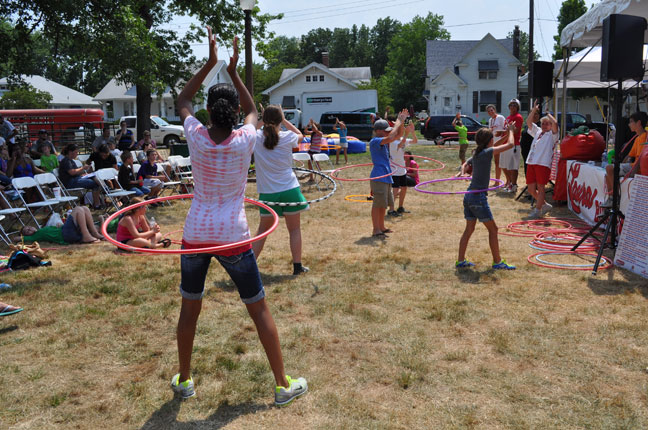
(468, 75)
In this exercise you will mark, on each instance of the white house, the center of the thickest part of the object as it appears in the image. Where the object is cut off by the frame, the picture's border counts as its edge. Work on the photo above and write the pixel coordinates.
(314, 77)
(468, 75)
(62, 96)
(119, 99)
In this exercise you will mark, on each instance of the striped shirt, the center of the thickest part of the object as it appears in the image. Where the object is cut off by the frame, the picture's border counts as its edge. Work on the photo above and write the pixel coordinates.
(217, 213)
(316, 142)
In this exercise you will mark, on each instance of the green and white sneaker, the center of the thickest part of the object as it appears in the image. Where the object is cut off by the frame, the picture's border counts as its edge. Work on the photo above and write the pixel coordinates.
(283, 395)
(503, 265)
(183, 389)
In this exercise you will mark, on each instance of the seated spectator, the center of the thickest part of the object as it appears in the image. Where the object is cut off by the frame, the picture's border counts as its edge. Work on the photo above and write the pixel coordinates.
(628, 168)
(124, 138)
(141, 156)
(147, 139)
(48, 161)
(6, 309)
(21, 165)
(134, 229)
(104, 139)
(73, 177)
(43, 140)
(148, 172)
(127, 179)
(78, 228)
(7, 131)
(113, 150)
(102, 159)
(4, 167)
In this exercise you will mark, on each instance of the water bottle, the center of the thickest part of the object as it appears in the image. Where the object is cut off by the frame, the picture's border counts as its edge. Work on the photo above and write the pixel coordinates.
(152, 223)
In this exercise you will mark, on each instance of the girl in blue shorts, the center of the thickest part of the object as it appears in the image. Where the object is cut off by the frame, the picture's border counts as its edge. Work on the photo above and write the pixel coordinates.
(276, 181)
(476, 204)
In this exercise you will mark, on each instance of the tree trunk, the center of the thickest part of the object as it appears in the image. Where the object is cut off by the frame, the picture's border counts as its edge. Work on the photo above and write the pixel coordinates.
(143, 101)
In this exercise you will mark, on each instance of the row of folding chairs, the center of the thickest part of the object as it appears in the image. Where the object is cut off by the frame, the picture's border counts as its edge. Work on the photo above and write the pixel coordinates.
(301, 159)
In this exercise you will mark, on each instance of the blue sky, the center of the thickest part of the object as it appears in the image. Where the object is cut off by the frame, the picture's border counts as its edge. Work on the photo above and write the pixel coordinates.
(464, 19)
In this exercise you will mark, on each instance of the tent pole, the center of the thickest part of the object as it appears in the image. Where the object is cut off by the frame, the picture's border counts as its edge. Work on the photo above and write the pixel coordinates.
(563, 118)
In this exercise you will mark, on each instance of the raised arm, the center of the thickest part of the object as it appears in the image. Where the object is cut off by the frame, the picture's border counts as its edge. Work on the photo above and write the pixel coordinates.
(529, 121)
(500, 146)
(554, 123)
(397, 130)
(291, 127)
(247, 102)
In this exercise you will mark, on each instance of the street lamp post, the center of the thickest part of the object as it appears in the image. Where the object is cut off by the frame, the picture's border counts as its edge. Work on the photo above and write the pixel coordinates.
(247, 6)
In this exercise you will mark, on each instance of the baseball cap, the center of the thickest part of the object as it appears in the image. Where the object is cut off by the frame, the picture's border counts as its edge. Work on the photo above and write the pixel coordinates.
(381, 124)
(516, 101)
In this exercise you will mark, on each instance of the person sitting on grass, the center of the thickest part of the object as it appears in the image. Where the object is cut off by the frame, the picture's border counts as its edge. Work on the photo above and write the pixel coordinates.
(134, 229)
(462, 132)
(476, 204)
(341, 128)
(78, 228)
(127, 178)
(545, 139)
(6, 309)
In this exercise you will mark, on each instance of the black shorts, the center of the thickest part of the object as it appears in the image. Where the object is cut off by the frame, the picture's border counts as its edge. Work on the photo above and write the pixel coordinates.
(399, 181)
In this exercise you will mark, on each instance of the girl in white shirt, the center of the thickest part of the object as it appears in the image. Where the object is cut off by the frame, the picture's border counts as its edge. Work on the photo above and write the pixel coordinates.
(276, 181)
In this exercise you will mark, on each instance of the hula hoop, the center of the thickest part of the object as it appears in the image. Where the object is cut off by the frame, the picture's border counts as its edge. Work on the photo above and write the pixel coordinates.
(501, 184)
(547, 237)
(419, 169)
(206, 250)
(335, 176)
(293, 204)
(530, 232)
(350, 199)
(533, 260)
(173, 241)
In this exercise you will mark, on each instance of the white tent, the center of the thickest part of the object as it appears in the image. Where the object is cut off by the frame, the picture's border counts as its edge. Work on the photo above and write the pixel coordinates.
(584, 69)
(588, 29)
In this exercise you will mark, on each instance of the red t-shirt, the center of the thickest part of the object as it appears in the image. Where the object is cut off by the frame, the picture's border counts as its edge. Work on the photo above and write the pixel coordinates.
(643, 161)
(518, 121)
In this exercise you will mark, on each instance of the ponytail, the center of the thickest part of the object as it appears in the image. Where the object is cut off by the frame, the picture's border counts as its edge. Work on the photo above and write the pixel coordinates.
(482, 138)
(272, 118)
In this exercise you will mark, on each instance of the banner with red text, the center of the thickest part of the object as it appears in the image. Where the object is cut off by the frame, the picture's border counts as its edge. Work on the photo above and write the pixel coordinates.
(586, 191)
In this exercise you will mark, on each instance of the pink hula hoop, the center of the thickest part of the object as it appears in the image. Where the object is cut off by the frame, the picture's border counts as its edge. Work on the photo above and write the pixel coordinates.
(417, 187)
(207, 250)
(335, 176)
(419, 169)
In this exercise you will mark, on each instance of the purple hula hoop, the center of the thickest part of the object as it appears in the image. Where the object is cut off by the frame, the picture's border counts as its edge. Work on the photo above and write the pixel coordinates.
(501, 184)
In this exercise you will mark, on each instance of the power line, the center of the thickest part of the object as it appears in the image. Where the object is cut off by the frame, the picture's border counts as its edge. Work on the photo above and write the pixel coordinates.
(318, 8)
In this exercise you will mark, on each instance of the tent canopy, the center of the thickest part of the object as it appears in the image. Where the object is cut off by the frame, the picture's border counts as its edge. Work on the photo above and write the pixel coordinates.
(588, 29)
(589, 68)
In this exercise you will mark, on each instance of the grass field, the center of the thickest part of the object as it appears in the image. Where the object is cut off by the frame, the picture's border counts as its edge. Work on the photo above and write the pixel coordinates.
(388, 333)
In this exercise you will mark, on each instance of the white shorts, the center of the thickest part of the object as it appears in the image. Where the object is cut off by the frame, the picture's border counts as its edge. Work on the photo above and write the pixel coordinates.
(510, 159)
(152, 183)
(343, 144)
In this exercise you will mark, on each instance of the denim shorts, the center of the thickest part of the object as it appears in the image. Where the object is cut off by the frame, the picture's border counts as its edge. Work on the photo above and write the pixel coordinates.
(242, 268)
(81, 182)
(476, 207)
(70, 231)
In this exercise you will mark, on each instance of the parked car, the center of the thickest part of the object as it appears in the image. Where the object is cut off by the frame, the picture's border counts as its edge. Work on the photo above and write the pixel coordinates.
(437, 124)
(161, 131)
(359, 124)
(575, 120)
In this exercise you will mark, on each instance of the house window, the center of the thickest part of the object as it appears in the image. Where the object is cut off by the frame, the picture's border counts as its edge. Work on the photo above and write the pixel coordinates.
(321, 78)
(308, 78)
(447, 101)
(314, 78)
(129, 108)
(488, 75)
(488, 69)
(489, 98)
(110, 112)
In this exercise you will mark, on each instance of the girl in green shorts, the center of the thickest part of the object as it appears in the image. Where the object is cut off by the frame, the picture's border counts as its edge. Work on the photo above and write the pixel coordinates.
(276, 181)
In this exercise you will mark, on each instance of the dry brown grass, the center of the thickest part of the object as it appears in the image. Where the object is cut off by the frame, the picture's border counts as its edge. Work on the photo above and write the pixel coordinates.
(388, 334)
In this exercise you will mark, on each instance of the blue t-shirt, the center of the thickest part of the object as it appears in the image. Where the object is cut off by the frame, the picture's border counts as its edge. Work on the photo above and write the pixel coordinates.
(380, 160)
(343, 134)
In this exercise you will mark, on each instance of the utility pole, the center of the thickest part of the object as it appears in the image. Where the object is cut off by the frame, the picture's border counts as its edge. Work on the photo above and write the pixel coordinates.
(531, 18)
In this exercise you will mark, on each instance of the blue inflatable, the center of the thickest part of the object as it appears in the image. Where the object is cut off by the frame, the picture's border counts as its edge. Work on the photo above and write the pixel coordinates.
(355, 146)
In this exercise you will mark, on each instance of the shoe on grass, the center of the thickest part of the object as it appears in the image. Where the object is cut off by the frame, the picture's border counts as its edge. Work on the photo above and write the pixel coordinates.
(545, 209)
(514, 188)
(535, 213)
(402, 210)
(296, 388)
(298, 270)
(502, 265)
(464, 263)
(183, 389)
(392, 213)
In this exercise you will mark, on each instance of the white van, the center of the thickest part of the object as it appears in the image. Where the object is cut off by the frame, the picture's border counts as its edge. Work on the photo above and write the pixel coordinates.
(161, 131)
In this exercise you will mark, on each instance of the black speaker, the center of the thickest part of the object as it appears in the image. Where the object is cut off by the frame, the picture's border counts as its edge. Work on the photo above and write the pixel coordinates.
(542, 78)
(622, 53)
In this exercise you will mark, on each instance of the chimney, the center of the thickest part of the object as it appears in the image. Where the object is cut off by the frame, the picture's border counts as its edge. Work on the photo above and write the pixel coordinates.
(516, 42)
(325, 58)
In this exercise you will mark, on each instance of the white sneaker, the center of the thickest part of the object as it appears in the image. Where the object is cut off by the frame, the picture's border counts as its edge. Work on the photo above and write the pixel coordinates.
(535, 213)
(183, 389)
(283, 395)
(545, 209)
(514, 188)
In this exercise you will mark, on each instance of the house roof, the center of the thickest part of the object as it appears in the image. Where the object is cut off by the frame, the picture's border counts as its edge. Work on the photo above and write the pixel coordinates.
(448, 72)
(352, 75)
(442, 54)
(115, 90)
(61, 95)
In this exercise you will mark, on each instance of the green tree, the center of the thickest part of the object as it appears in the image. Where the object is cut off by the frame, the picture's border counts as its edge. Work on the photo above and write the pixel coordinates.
(570, 10)
(379, 38)
(281, 49)
(362, 52)
(405, 71)
(524, 48)
(381, 85)
(339, 48)
(25, 97)
(314, 43)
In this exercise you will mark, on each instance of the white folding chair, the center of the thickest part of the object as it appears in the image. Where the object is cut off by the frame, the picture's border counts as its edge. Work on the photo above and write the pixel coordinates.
(136, 168)
(28, 182)
(83, 157)
(301, 159)
(110, 174)
(47, 181)
(317, 160)
(67, 191)
(3, 235)
(37, 162)
(15, 213)
(183, 170)
(174, 186)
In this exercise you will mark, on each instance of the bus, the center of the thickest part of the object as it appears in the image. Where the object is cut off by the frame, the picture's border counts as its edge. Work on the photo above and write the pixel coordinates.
(64, 126)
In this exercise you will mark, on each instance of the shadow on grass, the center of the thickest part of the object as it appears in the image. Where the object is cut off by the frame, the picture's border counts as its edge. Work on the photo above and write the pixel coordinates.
(468, 275)
(4, 330)
(166, 417)
(605, 284)
(371, 240)
(269, 279)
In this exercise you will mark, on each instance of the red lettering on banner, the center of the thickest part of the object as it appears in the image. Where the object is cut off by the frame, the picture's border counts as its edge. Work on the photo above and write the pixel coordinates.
(580, 195)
